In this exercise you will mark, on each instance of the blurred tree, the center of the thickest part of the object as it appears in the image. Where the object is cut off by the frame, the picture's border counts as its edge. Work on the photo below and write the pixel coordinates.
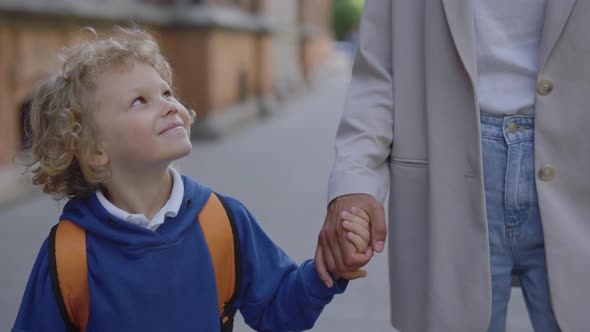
(346, 15)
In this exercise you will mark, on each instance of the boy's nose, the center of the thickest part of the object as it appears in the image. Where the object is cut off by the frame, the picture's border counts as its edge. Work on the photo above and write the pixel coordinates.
(170, 108)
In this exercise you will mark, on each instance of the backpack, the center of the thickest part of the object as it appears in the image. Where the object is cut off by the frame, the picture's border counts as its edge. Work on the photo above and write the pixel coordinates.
(69, 271)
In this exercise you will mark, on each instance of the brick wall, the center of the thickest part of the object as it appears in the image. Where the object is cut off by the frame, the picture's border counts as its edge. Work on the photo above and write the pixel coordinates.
(317, 12)
(187, 51)
(8, 119)
(27, 54)
(215, 69)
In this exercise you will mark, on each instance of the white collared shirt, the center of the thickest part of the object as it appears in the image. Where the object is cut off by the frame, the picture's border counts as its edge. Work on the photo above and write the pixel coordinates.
(508, 40)
(170, 209)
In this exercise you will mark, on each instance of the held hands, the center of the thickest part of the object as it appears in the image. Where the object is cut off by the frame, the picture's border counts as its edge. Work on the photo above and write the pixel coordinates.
(337, 253)
(356, 223)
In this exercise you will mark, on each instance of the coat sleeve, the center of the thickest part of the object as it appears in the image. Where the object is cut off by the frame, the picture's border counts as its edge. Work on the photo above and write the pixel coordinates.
(276, 294)
(365, 134)
(39, 311)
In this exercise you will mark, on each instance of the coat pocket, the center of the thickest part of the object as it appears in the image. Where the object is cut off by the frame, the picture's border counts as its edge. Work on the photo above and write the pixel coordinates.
(407, 162)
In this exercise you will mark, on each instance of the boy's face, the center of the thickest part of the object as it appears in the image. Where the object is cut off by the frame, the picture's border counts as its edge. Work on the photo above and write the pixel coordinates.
(138, 121)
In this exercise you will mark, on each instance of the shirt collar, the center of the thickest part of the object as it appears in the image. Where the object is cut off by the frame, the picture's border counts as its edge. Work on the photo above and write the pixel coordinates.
(170, 209)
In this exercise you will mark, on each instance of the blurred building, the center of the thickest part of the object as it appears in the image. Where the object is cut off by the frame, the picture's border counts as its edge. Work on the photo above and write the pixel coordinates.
(315, 33)
(233, 59)
(287, 65)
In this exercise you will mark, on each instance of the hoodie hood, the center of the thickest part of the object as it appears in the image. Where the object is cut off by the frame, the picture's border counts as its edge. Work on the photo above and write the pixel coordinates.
(97, 221)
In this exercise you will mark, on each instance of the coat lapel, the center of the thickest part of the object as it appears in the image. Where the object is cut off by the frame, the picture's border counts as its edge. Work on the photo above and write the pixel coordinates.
(459, 15)
(556, 14)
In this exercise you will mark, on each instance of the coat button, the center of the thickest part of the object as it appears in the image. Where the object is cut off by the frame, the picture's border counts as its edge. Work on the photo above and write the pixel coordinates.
(546, 173)
(544, 87)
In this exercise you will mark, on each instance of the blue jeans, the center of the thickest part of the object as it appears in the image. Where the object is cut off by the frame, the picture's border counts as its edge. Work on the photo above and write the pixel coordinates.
(515, 232)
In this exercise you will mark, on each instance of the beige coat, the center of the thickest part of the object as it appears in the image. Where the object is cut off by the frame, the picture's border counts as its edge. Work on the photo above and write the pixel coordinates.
(411, 127)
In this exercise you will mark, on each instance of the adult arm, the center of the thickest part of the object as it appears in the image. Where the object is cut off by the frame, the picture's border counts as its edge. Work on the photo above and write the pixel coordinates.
(360, 176)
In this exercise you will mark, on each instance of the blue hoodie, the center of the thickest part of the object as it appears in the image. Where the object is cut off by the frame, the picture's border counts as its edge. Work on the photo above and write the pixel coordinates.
(140, 280)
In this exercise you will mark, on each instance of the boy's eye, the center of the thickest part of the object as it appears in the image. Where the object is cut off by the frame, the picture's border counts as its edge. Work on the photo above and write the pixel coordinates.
(138, 101)
(167, 94)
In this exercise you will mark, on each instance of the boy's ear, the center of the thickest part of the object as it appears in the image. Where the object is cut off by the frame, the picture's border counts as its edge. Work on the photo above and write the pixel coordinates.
(99, 157)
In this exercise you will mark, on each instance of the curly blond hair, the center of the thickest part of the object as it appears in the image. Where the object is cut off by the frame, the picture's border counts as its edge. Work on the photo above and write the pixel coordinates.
(61, 120)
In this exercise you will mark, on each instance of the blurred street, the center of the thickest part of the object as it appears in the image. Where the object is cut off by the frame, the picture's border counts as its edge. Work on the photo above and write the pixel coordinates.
(279, 168)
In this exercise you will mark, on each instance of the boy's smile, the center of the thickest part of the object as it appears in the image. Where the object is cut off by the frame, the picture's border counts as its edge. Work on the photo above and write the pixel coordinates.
(138, 121)
(175, 127)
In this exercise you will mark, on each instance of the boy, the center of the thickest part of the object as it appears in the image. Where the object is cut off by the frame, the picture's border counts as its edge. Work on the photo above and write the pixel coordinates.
(105, 131)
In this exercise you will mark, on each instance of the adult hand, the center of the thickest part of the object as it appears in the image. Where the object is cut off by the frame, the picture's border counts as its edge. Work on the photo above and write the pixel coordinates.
(335, 253)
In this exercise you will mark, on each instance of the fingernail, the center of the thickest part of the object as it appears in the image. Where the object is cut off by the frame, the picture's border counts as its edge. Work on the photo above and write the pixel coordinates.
(346, 223)
(353, 209)
(380, 245)
(344, 214)
(328, 284)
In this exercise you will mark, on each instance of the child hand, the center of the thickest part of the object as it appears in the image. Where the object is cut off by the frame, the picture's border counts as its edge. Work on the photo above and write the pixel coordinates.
(357, 225)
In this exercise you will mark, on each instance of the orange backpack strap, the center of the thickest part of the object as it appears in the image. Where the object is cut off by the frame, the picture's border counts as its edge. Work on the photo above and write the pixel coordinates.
(69, 273)
(218, 225)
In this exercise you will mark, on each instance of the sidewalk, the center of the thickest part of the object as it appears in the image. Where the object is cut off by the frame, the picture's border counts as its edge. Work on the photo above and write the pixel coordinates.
(279, 168)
